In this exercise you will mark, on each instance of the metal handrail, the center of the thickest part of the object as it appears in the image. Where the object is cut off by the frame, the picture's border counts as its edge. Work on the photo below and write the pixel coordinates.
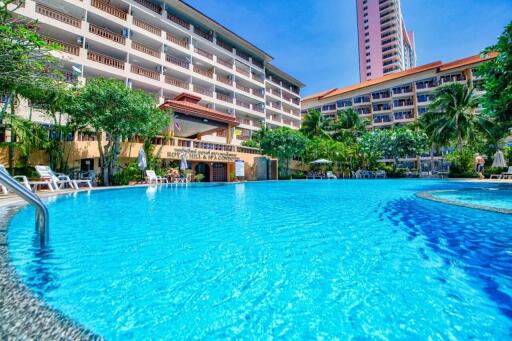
(42, 216)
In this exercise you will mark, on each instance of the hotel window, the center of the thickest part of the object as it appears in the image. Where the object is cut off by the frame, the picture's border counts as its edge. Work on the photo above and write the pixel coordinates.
(367, 54)
(365, 15)
(344, 103)
(366, 34)
(368, 74)
(365, 21)
(365, 8)
(367, 40)
(366, 27)
(329, 107)
(368, 60)
(367, 47)
(368, 67)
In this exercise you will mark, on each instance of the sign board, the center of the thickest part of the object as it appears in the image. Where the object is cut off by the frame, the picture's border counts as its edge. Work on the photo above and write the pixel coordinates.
(239, 168)
(202, 155)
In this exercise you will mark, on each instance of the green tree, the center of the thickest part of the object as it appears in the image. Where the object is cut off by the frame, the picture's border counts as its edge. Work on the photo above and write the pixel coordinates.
(497, 74)
(315, 124)
(335, 151)
(115, 112)
(348, 126)
(284, 144)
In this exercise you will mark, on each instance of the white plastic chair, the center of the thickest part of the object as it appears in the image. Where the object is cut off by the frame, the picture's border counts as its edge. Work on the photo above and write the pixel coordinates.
(60, 180)
(30, 185)
(330, 175)
(153, 178)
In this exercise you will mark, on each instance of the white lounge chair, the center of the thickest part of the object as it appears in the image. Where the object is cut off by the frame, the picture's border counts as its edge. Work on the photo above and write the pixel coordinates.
(60, 180)
(30, 185)
(507, 174)
(330, 175)
(152, 178)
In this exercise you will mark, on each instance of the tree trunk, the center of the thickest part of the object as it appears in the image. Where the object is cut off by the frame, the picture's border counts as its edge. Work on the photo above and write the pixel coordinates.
(432, 147)
(13, 136)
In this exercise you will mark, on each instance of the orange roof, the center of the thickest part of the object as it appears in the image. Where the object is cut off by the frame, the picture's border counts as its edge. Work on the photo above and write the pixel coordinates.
(435, 65)
(183, 103)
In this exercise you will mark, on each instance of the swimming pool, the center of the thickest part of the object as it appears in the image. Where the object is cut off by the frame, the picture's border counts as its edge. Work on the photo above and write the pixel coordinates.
(298, 259)
(487, 197)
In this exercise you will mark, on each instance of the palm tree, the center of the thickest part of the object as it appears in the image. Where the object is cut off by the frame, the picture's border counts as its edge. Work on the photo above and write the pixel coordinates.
(316, 125)
(452, 117)
(349, 125)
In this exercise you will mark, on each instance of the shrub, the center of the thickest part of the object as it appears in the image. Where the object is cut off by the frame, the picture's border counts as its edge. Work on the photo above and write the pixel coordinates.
(199, 177)
(298, 175)
(130, 173)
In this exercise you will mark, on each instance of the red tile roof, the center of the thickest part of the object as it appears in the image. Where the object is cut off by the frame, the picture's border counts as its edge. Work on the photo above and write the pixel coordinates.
(182, 104)
(435, 65)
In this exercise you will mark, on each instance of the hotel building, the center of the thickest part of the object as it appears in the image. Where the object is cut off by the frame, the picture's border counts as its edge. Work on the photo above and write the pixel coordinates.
(385, 45)
(397, 98)
(171, 50)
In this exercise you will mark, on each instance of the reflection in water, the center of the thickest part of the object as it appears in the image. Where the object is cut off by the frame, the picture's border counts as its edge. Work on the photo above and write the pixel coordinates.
(42, 275)
(480, 247)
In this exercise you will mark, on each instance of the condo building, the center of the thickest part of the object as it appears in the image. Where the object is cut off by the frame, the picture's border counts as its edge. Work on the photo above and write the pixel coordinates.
(220, 86)
(398, 98)
(385, 45)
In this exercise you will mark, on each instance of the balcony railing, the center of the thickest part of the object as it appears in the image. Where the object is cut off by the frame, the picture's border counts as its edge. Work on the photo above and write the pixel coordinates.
(150, 5)
(105, 7)
(176, 82)
(145, 72)
(59, 16)
(177, 61)
(256, 78)
(225, 80)
(178, 21)
(206, 73)
(145, 49)
(107, 34)
(257, 93)
(224, 97)
(203, 91)
(225, 46)
(258, 108)
(150, 28)
(203, 34)
(243, 104)
(100, 58)
(181, 42)
(225, 63)
(243, 71)
(203, 53)
(68, 48)
(243, 88)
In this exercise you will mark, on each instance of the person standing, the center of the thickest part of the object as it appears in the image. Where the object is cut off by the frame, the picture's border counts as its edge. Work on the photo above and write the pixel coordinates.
(479, 166)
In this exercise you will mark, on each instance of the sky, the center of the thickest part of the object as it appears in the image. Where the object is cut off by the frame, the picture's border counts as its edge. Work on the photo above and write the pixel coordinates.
(315, 41)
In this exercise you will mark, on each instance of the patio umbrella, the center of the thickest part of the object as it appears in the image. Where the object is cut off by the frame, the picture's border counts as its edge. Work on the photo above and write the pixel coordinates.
(320, 162)
(183, 162)
(141, 160)
(499, 160)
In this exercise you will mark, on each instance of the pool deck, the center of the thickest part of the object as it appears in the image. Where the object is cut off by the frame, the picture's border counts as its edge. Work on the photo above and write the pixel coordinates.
(24, 316)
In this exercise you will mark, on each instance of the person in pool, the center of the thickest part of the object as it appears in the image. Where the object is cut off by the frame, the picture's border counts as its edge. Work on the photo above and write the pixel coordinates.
(479, 166)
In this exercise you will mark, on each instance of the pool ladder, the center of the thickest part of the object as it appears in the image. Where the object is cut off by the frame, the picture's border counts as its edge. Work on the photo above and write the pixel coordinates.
(42, 216)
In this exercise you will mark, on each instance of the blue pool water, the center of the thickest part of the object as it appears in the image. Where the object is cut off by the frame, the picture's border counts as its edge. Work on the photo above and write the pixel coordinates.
(292, 260)
(490, 197)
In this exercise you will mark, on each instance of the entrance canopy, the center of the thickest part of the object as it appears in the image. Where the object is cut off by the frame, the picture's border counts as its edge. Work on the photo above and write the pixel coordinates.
(191, 120)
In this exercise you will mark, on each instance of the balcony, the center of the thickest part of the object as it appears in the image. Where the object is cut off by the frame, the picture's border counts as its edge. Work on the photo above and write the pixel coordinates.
(258, 108)
(204, 53)
(225, 63)
(59, 16)
(176, 61)
(203, 91)
(181, 42)
(145, 72)
(106, 60)
(203, 72)
(224, 98)
(105, 7)
(257, 78)
(65, 47)
(104, 33)
(150, 28)
(225, 80)
(243, 71)
(176, 82)
(178, 21)
(243, 88)
(150, 5)
(225, 46)
(203, 34)
(243, 104)
(257, 93)
(144, 49)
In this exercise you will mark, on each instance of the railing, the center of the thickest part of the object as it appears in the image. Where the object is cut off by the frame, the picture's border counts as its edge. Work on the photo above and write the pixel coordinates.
(181, 42)
(54, 14)
(42, 216)
(107, 34)
(206, 73)
(225, 46)
(225, 63)
(145, 49)
(177, 61)
(243, 71)
(68, 48)
(247, 150)
(243, 104)
(97, 57)
(150, 28)
(258, 108)
(176, 82)
(178, 21)
(242, 55)
(257, 93)
(204, 53)
(117, 12)
(203, 34)
(224, 97)
(150, 5)
(243, 88)
(256, 78)
(145, 72)
(203, 91)
(225, 80)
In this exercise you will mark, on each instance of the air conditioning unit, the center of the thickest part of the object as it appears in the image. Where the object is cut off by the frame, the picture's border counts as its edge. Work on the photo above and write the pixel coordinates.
(79, 40)
(125, 32)
(158, 68)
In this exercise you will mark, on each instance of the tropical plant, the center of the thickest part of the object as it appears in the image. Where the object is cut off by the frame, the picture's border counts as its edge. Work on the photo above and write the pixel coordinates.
(497, 75)
(315, 124)
(348, 126)
(115, 112)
